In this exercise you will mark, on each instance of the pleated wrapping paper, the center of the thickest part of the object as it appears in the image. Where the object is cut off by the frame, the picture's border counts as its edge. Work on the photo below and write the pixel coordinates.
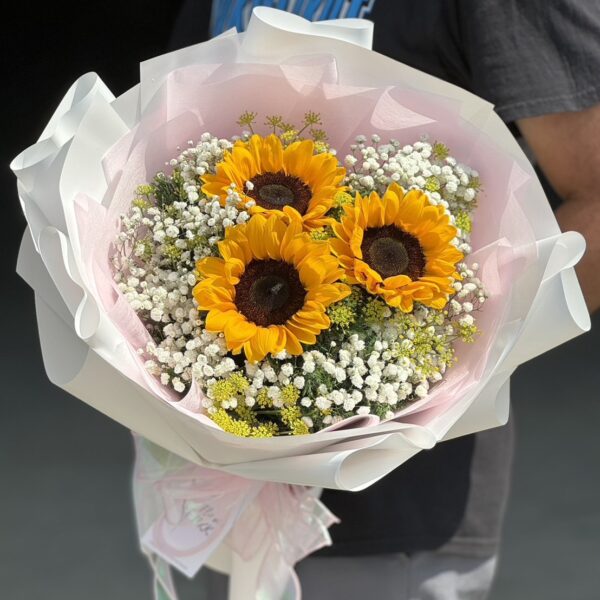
(80, 175)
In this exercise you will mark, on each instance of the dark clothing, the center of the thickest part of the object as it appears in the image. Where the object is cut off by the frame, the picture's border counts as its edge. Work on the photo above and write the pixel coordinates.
(528, 57)
(451, 497)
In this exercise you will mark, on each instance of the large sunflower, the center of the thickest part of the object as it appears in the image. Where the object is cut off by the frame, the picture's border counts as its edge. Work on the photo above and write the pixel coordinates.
(399, 247)
(275, 177)
(269, 290)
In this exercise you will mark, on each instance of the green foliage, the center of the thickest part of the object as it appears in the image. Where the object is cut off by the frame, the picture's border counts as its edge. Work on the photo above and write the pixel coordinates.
(463, 221)
(467, 332)
(375, 311)
(475, 183)
(440, 151)
(168, 189)
(432, 184)
(247, 119)
(321, 235)
(289, 132)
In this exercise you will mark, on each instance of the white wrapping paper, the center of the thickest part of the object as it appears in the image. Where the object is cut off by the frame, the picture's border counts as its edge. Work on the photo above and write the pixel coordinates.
(86, 355)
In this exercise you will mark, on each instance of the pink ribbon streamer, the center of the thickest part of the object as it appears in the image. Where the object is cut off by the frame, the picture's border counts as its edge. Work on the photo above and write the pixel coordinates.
(185, 512)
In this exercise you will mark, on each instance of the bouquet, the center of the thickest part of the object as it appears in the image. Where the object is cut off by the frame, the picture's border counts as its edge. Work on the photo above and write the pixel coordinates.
(294, 294)
(286, 263)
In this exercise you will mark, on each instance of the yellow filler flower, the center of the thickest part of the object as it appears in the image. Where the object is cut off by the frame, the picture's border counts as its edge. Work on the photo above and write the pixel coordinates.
(269, 290)
(278, 178)
(399, 247)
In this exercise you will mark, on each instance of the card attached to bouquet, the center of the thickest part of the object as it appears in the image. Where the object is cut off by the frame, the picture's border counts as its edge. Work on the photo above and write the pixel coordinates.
(191, 528)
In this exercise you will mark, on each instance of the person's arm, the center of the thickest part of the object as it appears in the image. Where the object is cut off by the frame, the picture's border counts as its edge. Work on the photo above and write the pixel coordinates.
(567, 149)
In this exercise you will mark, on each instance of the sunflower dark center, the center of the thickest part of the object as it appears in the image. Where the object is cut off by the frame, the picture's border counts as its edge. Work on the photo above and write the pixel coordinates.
(391, 251)
(276, 194)
(276, 190)
(269, 292)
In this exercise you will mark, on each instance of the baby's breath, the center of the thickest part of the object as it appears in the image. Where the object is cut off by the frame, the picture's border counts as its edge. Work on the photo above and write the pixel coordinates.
(424, 166)
(374, 359)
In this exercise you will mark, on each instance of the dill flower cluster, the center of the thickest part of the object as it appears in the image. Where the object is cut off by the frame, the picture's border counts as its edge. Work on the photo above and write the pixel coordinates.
(295, 290)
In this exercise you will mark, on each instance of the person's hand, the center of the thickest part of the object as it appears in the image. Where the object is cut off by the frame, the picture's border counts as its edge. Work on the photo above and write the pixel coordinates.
(567, 149)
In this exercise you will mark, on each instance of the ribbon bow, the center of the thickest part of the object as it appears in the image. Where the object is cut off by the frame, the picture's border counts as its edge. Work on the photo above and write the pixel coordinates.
(186, 512)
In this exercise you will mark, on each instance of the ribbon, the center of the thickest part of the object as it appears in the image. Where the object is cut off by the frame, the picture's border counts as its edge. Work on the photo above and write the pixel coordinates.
(185, 513)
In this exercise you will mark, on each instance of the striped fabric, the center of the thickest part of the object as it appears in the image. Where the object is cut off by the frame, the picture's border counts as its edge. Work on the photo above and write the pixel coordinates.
(236, 13)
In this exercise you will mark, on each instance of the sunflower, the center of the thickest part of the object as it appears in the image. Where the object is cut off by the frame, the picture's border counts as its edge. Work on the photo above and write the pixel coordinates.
(270, 288)
(276, 178)
(400, 247)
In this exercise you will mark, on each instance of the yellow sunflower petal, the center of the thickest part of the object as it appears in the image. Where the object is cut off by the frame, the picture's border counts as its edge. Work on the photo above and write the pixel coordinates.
(263, 342)
(213, 292)
(431, 232)
(255, 230)
(229, 249)
(211, 266)
(301, 334)
(292, 344)
(339, 247)
(297, 156)
(216, 320)
(270, 154)
(320, 173)
(280, 244)
(396, 281)
(329, 293)
(238, 331)
(312, 273)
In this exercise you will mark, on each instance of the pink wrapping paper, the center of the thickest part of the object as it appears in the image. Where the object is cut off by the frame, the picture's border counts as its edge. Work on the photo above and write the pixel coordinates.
(211, 98)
